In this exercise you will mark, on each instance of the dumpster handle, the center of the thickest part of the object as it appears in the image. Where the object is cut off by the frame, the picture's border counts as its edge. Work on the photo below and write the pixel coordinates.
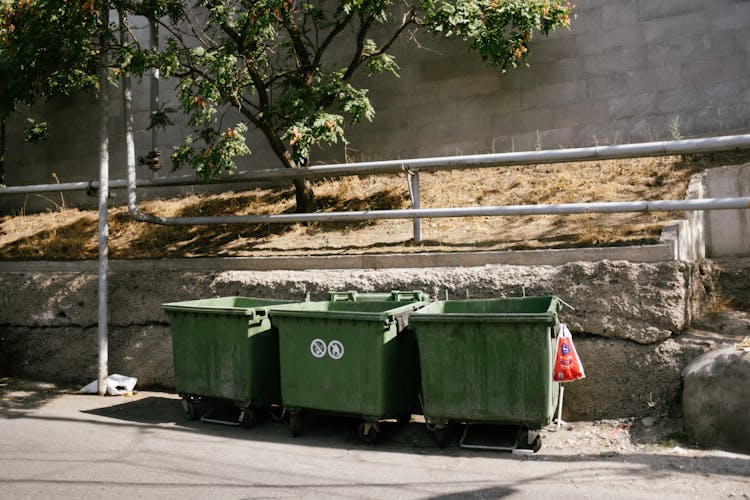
(566, 304)
(430, 427)
(399, 296)
(402, 322)
(342, 296)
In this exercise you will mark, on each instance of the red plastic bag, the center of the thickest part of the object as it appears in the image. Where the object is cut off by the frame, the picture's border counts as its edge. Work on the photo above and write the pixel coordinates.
(568, 365)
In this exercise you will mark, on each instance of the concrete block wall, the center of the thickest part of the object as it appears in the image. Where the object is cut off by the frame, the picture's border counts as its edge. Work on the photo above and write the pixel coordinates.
(627, 71)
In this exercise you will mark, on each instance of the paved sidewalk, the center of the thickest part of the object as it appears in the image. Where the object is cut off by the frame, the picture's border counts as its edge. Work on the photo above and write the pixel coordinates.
(57, 444)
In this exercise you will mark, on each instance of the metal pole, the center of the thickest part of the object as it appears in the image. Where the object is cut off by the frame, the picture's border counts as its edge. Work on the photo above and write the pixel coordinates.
(490, 211)
(415, 203)
(127, 105)
(103, 316)
(687, 146)
(154, 90)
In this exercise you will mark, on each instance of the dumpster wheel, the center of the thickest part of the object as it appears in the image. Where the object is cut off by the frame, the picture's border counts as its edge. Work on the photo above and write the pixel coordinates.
(248, 418)
(190, 405)
(295, 423)
(442, 436)
(530, 440)
(368, 432)
(403, 418)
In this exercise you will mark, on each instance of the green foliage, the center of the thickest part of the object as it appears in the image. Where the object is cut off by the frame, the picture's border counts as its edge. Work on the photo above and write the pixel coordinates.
(36, 131)
(265, 63)
(219, 148)
(160, 119)
(46, 49)
(499, 29)
(270, 61)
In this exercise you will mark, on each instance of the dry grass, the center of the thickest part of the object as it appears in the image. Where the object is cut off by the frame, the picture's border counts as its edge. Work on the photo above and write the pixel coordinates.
(65, 233)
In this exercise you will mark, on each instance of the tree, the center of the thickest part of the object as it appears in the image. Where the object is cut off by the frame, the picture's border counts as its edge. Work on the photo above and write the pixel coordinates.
(278, 64)
(47, 49)
(285, 67)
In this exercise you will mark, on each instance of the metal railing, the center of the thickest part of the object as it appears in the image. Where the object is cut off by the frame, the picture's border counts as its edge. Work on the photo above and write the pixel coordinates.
(412, 168)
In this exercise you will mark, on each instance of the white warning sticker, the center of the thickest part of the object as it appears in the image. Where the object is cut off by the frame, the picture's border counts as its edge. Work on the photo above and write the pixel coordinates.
(335, 349)
(318, 348)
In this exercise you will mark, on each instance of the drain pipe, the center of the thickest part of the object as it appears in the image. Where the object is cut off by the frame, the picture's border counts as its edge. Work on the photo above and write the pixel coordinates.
(154, 90)
(103, 315)
(153, 158)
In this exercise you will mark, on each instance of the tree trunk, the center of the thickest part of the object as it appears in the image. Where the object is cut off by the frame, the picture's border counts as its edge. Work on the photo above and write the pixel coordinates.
(304, 196)
(2, 152)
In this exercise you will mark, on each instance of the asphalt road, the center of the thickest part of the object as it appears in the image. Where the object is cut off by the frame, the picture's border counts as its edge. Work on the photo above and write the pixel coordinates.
(61, 445)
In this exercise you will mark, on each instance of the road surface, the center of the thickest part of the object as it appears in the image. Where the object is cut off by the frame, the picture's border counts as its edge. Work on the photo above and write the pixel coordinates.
(59, 444)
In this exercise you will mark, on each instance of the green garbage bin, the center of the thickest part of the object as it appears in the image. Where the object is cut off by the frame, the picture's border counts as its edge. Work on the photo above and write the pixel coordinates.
(392, 296)
(349, 358)
(225, 348)
(488, 361)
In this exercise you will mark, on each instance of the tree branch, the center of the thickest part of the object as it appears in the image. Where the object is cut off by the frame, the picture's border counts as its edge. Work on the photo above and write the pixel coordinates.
(337, 29)
(301, 53)
(364, 28)
(409, 18)
(264, 102)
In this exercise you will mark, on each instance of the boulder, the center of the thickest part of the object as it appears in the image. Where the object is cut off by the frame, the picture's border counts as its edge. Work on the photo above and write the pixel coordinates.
(716, 399)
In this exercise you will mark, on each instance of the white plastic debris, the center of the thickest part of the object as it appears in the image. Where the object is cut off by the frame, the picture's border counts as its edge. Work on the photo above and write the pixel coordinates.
(744, 345)
(117, 385)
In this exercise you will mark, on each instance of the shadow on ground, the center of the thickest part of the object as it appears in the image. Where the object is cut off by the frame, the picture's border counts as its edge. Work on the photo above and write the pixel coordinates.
(16, 394)
(413, 438)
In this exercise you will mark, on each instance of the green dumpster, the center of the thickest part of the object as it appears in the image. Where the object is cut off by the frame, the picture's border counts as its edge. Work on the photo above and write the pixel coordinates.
(225, 348)
(349, 358)
(489, 362)
(392, 296)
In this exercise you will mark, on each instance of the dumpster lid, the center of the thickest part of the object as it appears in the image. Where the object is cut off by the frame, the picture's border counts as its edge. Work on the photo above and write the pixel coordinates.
(243, 306)
(392, 296)
(516, 309)
(385, 311)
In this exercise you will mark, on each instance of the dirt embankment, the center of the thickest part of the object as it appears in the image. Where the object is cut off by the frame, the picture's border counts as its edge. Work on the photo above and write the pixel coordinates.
(65, 233)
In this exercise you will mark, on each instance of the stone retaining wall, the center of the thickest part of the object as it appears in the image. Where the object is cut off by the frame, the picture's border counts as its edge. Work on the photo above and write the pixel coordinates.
(627, 321)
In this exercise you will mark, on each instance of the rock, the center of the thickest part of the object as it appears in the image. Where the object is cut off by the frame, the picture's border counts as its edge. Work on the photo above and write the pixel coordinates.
(716, 399)
(643, 302)
(648, 421)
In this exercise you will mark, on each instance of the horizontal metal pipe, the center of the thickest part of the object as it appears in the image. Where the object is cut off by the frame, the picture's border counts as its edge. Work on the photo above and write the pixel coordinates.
(51, 188)
(663, 148)
(491, 211)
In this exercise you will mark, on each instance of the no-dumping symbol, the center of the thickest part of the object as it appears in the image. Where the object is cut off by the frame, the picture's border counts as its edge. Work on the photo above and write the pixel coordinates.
(334, 349)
